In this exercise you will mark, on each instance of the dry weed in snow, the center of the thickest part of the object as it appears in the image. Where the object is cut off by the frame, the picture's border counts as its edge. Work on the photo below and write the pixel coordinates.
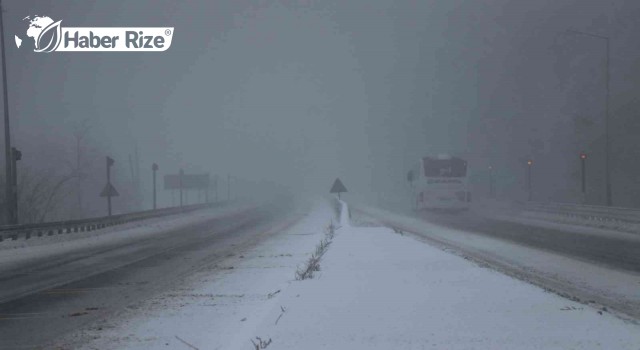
(313, 264)
(261, 344)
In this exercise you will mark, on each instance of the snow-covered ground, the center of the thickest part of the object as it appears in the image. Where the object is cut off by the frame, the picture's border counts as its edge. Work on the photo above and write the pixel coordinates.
(513, 212)
(17, 252)
(219, 305)
(545, 219)
(376, 289)
(581, 280)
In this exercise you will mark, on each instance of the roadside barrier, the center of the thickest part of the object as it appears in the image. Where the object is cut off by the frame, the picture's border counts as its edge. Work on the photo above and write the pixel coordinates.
(587, 212)
(28, 231)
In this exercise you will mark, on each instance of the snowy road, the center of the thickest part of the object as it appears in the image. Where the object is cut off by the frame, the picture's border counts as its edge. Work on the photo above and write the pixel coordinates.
(373, 289)
(111, 276)
(597, 267)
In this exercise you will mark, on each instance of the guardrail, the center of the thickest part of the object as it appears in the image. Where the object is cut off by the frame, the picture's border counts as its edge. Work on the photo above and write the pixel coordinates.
(27, 231)
(587, 212)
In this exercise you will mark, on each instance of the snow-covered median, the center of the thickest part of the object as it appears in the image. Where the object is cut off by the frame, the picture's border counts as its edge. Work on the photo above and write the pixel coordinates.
(378, 289)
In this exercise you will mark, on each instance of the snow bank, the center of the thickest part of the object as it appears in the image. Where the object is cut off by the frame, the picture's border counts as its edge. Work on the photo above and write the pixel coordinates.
(345, 215)
(581, 280)
(17, 252)
(381, 290)
(517, 213)
(533, 217)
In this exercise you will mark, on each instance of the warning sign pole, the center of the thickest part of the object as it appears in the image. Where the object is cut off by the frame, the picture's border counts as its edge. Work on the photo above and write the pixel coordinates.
(338, 187)
(109, 164)
(109, 191)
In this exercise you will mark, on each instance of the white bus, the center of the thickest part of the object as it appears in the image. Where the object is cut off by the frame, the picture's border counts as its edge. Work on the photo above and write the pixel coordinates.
(439, 183)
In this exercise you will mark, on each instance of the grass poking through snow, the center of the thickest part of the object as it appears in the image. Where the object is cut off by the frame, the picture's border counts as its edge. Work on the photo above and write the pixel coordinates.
(261, 344)
(313, 264)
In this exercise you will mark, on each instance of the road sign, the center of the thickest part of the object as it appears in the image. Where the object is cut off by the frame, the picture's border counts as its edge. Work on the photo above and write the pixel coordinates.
(109, 191)
(172, 182)
(338, 187)
(154, 168)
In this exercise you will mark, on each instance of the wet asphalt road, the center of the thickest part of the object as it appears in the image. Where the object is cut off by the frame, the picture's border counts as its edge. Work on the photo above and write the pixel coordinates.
(112, 278)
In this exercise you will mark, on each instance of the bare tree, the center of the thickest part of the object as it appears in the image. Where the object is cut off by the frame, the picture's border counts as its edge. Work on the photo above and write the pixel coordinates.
(41, 194)
(47, 194)
(81, 168)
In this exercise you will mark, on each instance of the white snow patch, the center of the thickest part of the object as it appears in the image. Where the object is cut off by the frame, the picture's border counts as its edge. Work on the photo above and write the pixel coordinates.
(579, 278)
(219, 309)
(344, 214)
(381, 290)
(16, 252)
(512, 212)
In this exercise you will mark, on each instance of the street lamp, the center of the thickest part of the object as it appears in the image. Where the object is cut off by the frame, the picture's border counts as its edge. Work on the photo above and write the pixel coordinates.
(607, 175)
(16, 155)
(180, 179)
(529, 164)
(154, 168)
(491, 194)
(583, 159)
(11, 210)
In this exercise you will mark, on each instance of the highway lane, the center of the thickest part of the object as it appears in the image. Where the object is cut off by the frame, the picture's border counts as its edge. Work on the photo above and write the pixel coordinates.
(111, 279)
(19, 277)
(615, 252)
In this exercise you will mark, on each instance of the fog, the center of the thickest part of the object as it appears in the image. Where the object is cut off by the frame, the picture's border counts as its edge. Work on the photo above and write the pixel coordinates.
(292, 94)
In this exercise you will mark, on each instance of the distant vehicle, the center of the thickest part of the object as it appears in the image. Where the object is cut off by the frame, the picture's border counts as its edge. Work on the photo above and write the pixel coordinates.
(439, 183)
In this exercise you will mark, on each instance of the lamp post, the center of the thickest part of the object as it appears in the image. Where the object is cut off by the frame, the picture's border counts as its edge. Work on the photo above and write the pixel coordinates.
(491, 194)
(180, 179)
(16, 155)
(215, 186)
(108, 192)
(607, 174)
(529, 164)
(154, 168)
(9, 188)
(206, 194)
(583, 159)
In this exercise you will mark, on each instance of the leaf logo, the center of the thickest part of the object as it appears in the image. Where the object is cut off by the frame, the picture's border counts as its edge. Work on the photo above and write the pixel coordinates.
(50, 38)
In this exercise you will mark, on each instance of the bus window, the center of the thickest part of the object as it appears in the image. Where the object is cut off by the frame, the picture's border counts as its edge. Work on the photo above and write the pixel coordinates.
(453, 167)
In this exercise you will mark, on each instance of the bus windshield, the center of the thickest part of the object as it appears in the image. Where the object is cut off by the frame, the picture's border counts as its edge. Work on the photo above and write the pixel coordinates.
(453, 167)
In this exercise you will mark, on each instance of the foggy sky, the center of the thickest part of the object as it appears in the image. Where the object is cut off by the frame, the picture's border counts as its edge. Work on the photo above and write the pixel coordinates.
(301, 92)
